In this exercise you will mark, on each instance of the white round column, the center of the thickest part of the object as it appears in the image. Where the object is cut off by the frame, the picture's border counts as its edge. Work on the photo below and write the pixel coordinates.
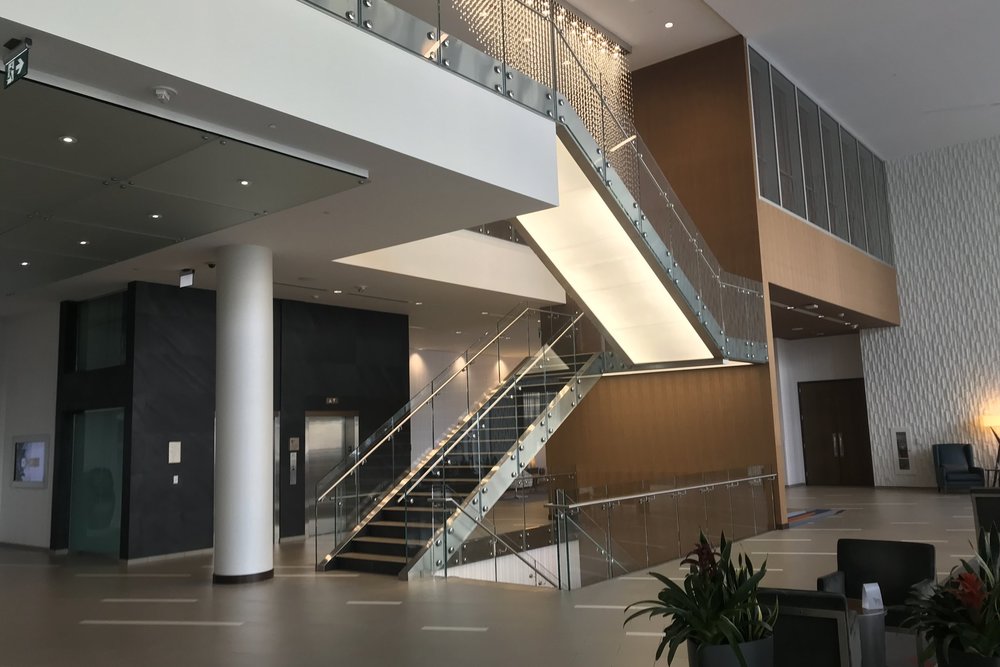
(244, 409)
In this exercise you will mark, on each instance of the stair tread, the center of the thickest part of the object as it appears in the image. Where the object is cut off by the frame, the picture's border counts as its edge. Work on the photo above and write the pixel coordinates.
(388, 540)
(382, 558)
(404, 524)
(413, 509)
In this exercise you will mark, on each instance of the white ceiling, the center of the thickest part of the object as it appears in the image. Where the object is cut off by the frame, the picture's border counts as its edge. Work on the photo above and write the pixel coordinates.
(905, 76)
(641, 24)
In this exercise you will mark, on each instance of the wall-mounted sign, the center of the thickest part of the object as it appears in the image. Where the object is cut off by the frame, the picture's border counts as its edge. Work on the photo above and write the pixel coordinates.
(30, 454)
(332, 400)
(902, 449)
(16, 68)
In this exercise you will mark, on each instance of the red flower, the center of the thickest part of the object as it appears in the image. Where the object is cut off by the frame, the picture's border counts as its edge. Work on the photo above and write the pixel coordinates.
(970, 591)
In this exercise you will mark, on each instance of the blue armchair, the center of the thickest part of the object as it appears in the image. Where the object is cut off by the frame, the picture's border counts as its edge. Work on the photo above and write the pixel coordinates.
(955, 467)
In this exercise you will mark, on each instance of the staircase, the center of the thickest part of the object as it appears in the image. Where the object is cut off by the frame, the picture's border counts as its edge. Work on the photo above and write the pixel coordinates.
(621, 244)
(376, 513)
(401, 528)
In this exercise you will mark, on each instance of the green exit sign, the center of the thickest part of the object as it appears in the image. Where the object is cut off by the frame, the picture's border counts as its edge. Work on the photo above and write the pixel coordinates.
(16, 68)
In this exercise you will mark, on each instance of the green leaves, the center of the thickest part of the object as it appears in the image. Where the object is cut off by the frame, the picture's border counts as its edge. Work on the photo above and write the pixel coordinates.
(962, 613)
(716, 605)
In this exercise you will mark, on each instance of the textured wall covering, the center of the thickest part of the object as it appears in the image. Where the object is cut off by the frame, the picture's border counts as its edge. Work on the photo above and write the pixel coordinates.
(940, 370)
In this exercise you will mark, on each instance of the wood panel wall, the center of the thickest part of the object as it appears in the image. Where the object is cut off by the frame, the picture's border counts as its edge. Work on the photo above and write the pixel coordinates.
(804, 258)
(649, 427)
(694, 113)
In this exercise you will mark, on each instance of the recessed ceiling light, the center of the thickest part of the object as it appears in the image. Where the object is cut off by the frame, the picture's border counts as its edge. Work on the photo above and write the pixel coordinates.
(485, 312)
(67, 139)
(25, 263)
(84, 242)
(419, 303)
(668, 24)
(244, 182)
(338, 291)
(155, 216)
(789, 307)
(811, 306)
(458, 332)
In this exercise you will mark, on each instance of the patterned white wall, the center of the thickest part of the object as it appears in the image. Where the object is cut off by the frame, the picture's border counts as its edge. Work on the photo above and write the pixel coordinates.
(938, 372)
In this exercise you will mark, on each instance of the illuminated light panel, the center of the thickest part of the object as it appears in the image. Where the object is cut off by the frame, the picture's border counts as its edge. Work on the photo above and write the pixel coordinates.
(586, 245)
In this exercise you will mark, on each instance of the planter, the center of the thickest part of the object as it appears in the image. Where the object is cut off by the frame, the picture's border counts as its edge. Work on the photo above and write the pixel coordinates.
(959, 659)
(759, 653)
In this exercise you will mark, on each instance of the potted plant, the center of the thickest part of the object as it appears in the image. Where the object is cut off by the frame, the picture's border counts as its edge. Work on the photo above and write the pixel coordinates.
(716, 611)
(960, 616)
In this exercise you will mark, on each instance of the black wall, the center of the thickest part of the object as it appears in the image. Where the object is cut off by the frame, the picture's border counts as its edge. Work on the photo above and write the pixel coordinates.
(168, 389)
(173, 398)
(359, 357)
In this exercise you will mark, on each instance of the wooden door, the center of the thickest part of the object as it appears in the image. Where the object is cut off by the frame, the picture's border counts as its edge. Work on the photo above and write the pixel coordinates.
(855, 443)
(835, 437)
(821, 451)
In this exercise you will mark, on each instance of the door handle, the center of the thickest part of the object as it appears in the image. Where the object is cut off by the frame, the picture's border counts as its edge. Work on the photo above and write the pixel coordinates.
(840, 441)
(835, 454)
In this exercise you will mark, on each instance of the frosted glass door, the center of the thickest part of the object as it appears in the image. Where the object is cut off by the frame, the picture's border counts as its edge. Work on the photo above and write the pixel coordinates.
(96, 495)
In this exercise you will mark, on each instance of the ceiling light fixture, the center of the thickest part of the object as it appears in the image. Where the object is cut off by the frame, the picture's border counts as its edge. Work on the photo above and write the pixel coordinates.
(84, 242)
(155, 216)
(338, 291)
(244, 182)
(485, 312)
(668, 25)
(419, 303)
(458, 332)
(25, 263)
(67, 139)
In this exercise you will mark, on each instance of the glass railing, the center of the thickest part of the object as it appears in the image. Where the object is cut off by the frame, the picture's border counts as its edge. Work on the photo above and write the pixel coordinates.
(608, 531)
(488, 468)
(348, 493)
(527, 58)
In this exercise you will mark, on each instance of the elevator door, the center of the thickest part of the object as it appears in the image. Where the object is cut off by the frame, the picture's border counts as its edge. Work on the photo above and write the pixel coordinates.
(329, 438)
(96, 487)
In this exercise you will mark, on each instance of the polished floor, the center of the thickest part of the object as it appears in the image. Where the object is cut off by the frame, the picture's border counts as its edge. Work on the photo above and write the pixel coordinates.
(59, 610)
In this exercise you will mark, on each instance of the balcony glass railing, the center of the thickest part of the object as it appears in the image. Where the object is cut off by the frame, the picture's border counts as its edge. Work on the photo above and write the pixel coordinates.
(531, 60)
(609, 531)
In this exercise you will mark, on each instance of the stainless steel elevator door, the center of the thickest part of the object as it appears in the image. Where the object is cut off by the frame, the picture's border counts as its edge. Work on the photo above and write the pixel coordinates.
(329, 438)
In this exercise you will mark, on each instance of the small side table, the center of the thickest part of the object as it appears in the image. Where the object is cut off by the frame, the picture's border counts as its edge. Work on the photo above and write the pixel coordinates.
(871, 625)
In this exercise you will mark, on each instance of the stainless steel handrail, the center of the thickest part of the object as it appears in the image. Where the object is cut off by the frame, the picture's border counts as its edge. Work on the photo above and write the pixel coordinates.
(513, 549)
(664, 492)
(510, 385)
(409, 415)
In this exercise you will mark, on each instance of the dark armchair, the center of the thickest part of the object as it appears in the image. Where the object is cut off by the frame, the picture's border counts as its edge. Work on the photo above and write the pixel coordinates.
(955, 467)
(895, 566)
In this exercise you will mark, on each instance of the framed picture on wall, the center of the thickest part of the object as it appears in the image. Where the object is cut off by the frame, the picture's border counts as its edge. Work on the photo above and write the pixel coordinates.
(29, 455)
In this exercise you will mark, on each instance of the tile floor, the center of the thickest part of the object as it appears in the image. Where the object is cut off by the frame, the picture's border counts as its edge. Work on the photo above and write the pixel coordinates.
(82, 611)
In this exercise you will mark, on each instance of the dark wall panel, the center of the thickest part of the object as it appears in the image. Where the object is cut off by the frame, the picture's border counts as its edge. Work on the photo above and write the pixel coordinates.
(173, 399)
(360, 357)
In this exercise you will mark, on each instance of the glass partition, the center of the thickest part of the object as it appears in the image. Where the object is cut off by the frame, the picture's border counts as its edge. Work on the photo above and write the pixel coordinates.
(852, 180)
(100, 332)
(786, 122)
(833, 161)
(869, 196)
(812, 162)
(763, 125)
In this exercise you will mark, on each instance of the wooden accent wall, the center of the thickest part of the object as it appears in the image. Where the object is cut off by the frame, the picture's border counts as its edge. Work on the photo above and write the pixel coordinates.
(694, 113)
(647, 427)
(801, 257)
